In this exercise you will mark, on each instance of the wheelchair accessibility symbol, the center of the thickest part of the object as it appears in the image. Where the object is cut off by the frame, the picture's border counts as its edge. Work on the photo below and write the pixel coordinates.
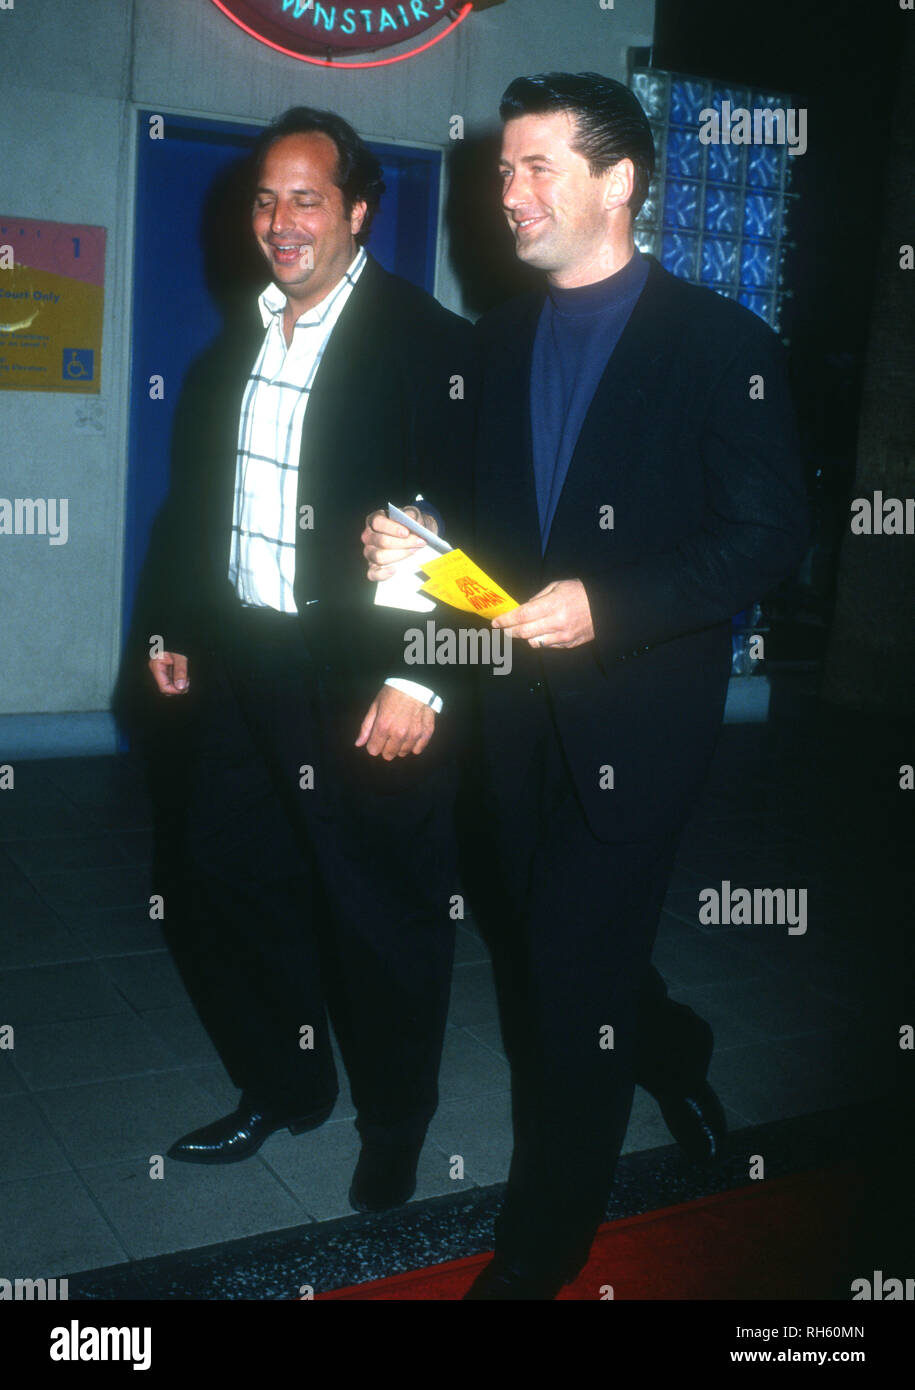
(78, 364)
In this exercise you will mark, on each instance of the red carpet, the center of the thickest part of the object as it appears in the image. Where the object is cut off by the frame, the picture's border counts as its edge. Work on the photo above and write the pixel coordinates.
(778, 1238)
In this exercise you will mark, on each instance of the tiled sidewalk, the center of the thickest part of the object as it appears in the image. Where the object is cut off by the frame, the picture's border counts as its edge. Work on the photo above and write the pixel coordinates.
(110, 1064)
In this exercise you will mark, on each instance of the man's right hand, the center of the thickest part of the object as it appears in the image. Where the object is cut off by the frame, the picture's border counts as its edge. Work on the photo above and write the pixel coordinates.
(170, 673)
(385, 542)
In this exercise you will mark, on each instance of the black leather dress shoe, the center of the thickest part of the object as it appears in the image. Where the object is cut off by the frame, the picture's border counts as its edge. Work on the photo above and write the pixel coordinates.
(696, 1120)
(240, 1134)
(500, 1280)
(385, 1176)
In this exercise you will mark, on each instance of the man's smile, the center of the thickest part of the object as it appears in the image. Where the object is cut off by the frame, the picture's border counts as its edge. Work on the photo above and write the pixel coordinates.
(289, 253)
(522, 224)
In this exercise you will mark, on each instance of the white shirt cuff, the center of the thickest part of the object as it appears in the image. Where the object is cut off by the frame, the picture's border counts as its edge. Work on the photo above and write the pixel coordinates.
(419, 692)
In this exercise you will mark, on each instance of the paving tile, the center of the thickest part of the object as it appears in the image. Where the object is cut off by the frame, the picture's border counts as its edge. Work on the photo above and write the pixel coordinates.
(127, 815)
(695, 960)
(21, 901)
(148, 981)
(97, 781)
(674, 928)
(126, 1118)
(225, 1096)
(11, 1082)
(479, 1130)
(646, 1128)
(473, 995)
(117, 931)
(39, 857)
(856, 1066)
(769, 1081)
(75, 890)
(721, 1005)
(51, 1227)
(218, 1085)
(469, 947)
(135, 846)
(683, 904)
(765, 1007)
(191, 1205)
(94, 1049)
(43, 820)
(490, 1035)
(770, 950)
(470, 1068)
(318, 1167)
(29, 1148)
(182, 1033)
(32, 784)
(43, 942)
(44, 994)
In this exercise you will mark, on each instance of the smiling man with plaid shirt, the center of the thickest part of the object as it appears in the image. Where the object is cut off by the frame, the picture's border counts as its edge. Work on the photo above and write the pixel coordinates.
(318, 849)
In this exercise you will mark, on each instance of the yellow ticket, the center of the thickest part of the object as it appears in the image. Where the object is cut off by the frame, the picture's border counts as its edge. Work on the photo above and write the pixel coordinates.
(456, 580)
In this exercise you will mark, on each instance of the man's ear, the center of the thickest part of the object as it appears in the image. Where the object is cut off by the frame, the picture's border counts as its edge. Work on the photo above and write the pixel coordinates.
(357, 216)
(619, 183)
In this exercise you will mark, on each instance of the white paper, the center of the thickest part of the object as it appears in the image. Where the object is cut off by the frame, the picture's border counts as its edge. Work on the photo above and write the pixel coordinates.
(402, 589)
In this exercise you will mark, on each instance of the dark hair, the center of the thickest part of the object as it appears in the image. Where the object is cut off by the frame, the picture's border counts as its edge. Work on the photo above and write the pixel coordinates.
(610, 120)
(358, 174)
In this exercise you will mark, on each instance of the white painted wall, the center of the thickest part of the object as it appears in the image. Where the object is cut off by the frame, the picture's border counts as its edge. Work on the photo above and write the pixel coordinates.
(74, 72)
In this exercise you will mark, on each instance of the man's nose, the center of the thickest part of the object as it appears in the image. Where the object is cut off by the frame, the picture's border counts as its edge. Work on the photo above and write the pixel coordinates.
(282, 216)
(513, 194)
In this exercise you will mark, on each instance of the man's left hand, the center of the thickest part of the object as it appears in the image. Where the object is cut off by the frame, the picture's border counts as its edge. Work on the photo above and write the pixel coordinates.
(396, 725)
(559, 616)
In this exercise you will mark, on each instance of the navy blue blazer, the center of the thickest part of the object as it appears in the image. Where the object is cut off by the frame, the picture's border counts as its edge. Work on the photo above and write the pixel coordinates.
(709, 513)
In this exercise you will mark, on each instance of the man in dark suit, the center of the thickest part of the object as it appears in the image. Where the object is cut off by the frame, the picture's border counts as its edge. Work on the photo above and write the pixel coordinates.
(318, 837)
(636, 470)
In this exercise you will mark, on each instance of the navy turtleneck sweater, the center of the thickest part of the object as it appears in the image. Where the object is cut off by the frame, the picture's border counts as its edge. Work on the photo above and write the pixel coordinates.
(577, 332)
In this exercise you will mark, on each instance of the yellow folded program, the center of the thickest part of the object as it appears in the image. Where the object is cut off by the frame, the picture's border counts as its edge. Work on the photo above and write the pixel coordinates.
(455, 579)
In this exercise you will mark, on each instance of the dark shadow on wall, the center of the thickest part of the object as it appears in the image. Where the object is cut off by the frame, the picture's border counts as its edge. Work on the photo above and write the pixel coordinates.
(234, 274)
(158, 728)
(233, 265)
(482, 252)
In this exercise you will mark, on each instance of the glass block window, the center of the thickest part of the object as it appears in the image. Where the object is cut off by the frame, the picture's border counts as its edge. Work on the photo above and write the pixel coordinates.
(717, 214)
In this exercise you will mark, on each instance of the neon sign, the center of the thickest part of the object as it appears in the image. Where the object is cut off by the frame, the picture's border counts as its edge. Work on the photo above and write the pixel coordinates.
(317, 32)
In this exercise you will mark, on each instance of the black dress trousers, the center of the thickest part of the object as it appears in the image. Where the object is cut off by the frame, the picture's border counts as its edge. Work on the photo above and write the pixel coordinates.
(316, 879)
(578, 922)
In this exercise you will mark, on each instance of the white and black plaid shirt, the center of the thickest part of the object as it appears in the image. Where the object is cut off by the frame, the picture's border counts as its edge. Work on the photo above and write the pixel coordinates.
(264, 523)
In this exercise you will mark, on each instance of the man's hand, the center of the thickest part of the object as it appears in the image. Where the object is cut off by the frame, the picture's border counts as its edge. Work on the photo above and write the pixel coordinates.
(559, 616)
(386, 542)
(395, 725)
(170, 673)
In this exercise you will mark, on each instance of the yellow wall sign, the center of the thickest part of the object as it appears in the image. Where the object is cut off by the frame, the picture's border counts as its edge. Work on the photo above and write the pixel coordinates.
(52, 293)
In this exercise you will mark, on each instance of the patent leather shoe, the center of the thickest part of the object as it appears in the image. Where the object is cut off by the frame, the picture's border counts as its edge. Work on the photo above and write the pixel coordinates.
(240, 1134)
(696, 1120)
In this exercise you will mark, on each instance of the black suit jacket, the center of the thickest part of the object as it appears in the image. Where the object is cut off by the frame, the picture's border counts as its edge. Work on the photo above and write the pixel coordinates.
(382, 423)
(709, 512)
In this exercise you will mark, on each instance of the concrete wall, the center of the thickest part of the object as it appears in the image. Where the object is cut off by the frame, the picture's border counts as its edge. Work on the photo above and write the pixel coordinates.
(74, 73)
